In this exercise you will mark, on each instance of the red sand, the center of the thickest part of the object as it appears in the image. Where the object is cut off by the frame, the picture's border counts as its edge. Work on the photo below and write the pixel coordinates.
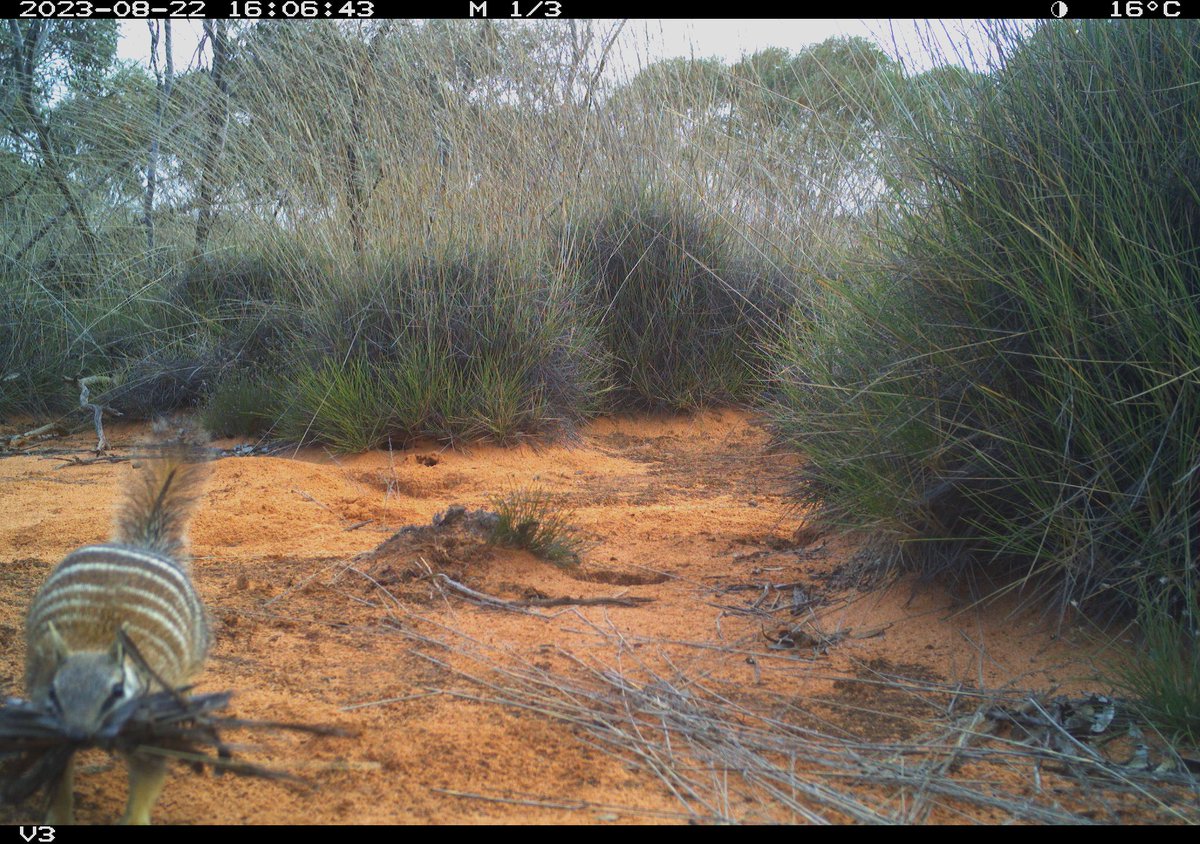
(677, 510)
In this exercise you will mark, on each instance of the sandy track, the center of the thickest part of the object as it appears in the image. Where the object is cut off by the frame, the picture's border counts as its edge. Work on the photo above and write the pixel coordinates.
(688, 512)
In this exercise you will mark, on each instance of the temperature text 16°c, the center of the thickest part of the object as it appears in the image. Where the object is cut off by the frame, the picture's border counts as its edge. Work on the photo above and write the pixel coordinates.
(1141, 8)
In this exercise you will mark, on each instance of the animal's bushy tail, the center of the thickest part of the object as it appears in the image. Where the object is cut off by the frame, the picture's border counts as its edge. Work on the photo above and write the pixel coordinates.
(158, 504)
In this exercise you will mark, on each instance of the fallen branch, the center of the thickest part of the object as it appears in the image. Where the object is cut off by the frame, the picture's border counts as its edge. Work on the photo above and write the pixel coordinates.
(42, 432)
(515, 798)
(80, 461)
(86, 403)
(386, 701)
(480, 597)
(538, 602)
(584, 602)
(573, 806)
(789, 637)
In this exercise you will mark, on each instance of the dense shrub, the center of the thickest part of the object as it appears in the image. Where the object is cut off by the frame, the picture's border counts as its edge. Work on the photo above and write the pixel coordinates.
(1014, 384)
(682, 314)
(455, 345)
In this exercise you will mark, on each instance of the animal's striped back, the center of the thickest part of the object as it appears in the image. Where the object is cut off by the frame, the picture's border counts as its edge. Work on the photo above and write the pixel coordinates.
(99, 589)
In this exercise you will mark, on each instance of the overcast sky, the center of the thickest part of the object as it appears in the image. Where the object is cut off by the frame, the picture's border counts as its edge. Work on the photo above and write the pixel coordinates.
(731, 39)
(644, 41)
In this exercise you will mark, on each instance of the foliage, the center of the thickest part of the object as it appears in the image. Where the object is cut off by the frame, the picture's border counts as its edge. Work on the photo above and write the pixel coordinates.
(1010, 385)
(461, 345)
(1164, 677)
(533, 520)
(681, 312)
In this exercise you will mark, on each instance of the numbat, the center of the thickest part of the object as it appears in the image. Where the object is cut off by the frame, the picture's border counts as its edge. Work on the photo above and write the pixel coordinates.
(134, 589)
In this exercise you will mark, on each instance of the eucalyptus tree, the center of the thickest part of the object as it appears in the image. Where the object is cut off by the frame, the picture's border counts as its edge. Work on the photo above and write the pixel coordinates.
(42, 61)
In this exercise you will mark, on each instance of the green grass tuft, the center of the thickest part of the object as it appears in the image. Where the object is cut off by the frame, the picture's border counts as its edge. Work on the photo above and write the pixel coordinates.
(342, 404)
(531, 519)
(1163, 677)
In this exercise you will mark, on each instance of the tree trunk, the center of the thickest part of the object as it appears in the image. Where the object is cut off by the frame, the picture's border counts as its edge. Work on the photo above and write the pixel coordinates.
(218, 35)
(25, 54)
(164, 81)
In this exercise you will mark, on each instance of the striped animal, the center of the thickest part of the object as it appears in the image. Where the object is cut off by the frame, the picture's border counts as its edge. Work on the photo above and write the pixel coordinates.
(76, 663)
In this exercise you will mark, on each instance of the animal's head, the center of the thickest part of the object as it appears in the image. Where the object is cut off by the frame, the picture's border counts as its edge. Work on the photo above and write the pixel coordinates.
(88, 685)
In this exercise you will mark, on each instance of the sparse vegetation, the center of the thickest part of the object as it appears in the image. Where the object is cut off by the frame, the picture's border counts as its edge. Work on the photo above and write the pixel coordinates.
(235, 408)
(532, 519)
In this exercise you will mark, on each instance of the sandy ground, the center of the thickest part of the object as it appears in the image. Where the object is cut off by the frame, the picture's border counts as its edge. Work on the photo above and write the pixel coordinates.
(316, 622)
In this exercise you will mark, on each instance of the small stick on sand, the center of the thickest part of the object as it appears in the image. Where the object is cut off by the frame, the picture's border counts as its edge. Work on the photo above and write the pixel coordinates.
(44, 431)
(79, 461)
(539, 602)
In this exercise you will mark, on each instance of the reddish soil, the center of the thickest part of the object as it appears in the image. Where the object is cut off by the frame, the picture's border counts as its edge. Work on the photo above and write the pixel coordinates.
(321, 616)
